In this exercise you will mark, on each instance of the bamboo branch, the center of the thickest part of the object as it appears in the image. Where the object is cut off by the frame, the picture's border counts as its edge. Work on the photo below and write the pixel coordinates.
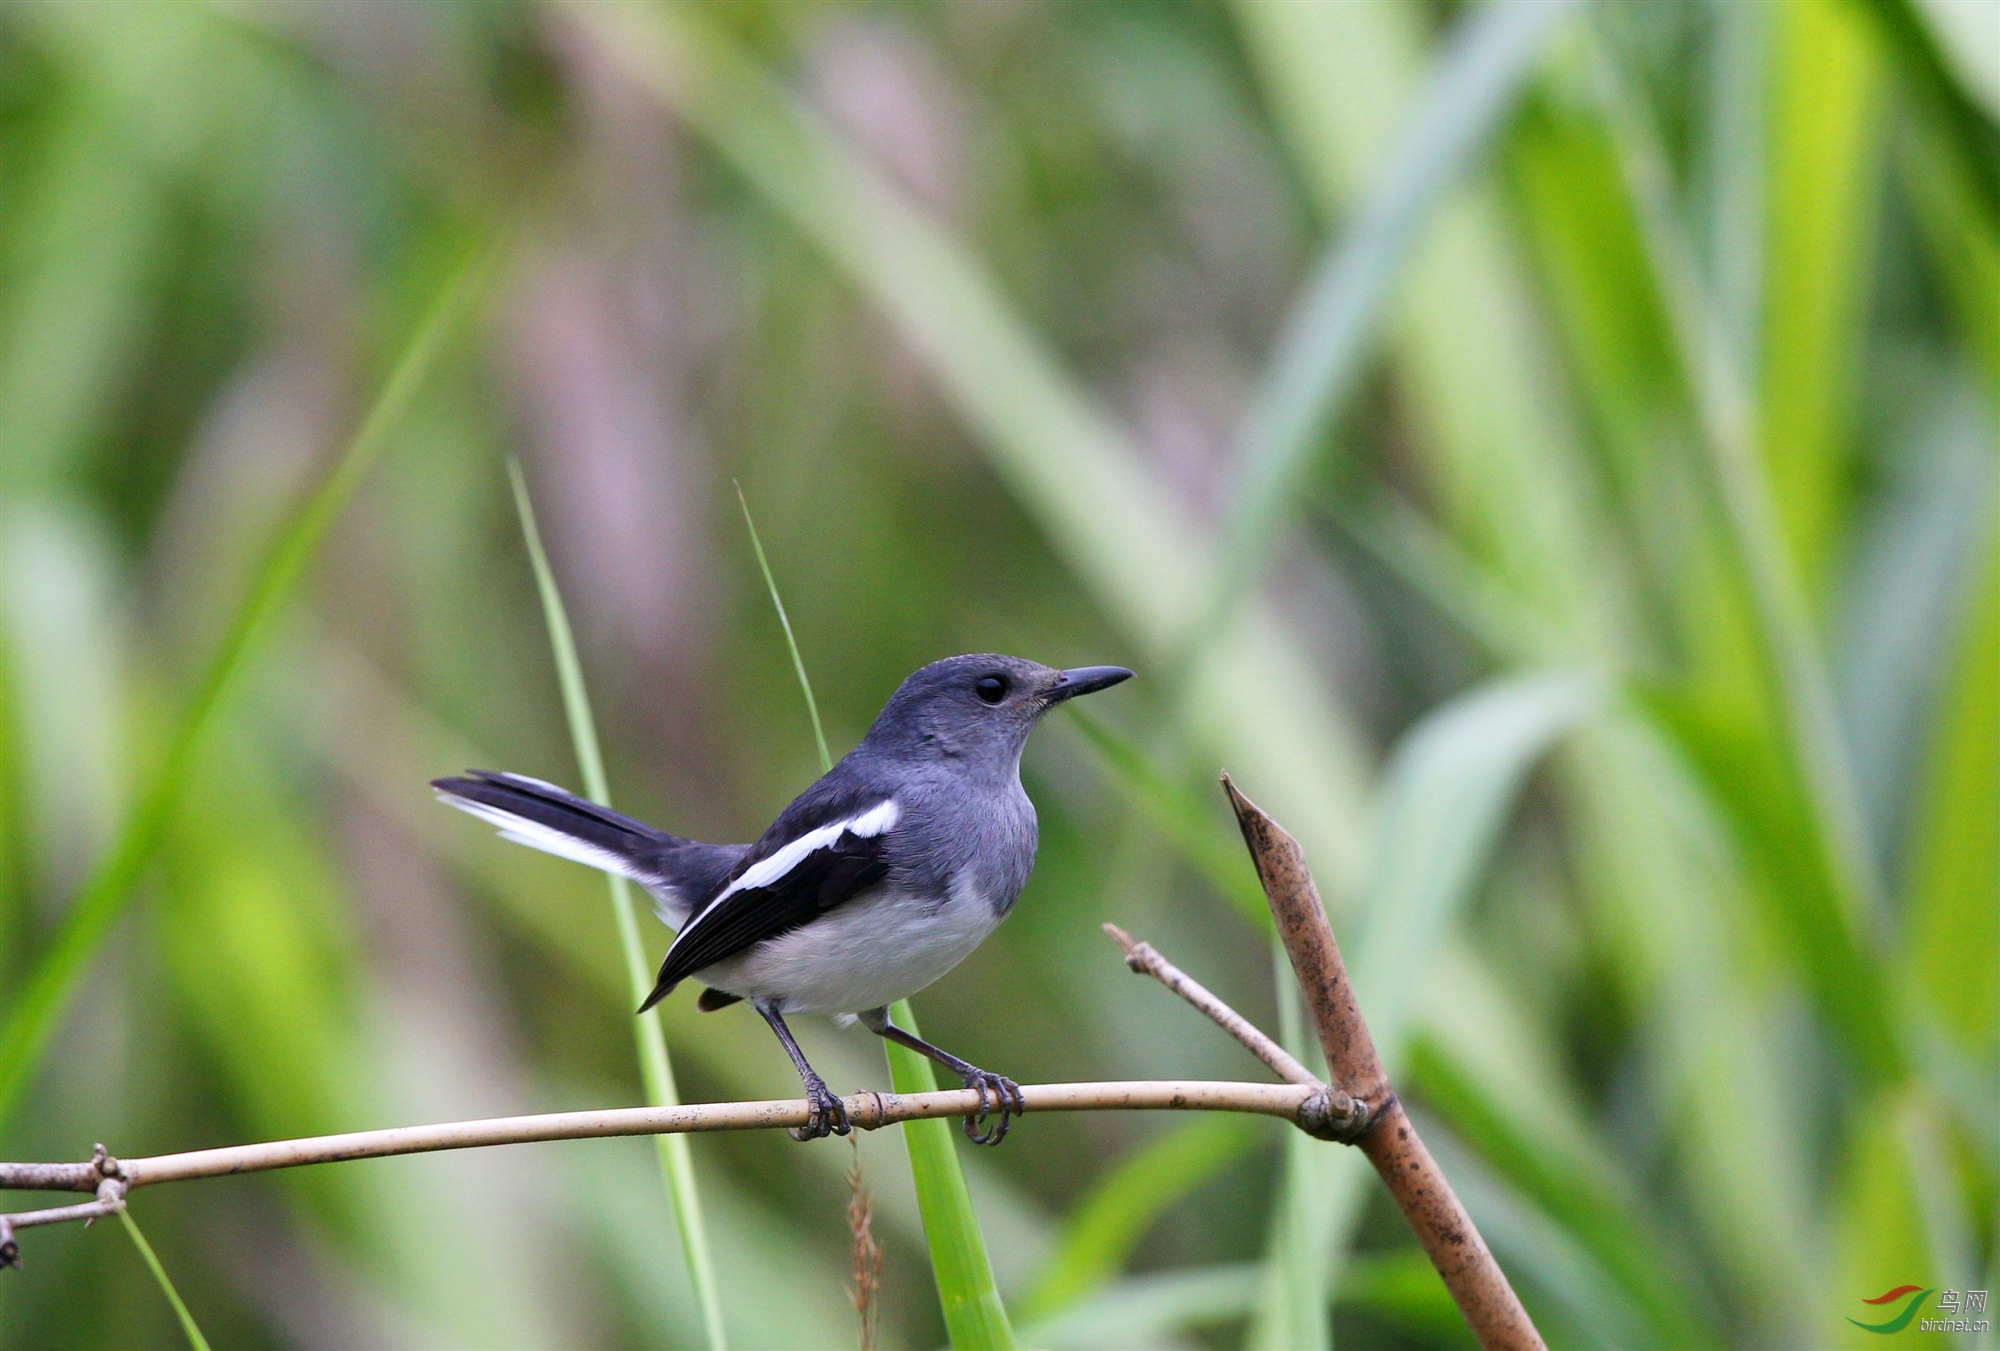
(1392, 1145)
(1301, 1104)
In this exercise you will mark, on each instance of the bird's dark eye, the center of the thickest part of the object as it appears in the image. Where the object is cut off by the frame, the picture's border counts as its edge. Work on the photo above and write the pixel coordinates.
(991, 689)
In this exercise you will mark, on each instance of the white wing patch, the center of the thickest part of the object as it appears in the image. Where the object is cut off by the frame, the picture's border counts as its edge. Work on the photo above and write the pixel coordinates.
(877, 820)
(547, 839)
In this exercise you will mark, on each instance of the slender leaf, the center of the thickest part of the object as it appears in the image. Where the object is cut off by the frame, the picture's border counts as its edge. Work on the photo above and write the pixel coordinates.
(1448, 788)
(1824, 152)
(676, 1159)
(791, 639)
(1320, 1194)
(1667, 892)
(1326, 340)
(189, 1327)
(1841, 894)
(1912, 571)
(1348, 87)
(36, 1011)
(974, 1317)
(1921, 45)
(1880, 1227)
(1954, 862)
(1964, 245)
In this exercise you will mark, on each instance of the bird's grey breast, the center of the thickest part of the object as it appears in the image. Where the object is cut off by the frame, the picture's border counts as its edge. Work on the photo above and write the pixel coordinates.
(967, 842)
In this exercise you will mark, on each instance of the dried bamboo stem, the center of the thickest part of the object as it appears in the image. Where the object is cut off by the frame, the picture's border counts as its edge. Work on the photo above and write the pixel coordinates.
(1386, 1136)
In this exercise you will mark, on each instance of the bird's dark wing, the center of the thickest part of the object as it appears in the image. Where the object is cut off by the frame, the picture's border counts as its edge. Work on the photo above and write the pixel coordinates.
(826, 847)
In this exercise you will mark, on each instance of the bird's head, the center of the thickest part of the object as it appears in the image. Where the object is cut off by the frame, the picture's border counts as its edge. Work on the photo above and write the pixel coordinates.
(980, 707)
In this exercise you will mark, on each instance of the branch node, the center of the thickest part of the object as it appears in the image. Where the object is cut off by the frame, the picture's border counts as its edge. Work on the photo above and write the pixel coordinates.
(10, 1251)
(101, 1160)
(110, 1199)
(1138, 956)
(1334, 1116)
(874, 1116)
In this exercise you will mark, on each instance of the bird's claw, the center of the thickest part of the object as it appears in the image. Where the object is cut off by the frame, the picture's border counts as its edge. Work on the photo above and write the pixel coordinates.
(1004, 1093)
(825, 1114)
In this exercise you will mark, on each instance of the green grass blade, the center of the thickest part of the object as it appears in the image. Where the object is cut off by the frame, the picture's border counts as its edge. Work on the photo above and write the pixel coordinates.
(36, 1012)
(1878, 1212)
(1327, 340)
(1916, 36)
(1448, 788)
(1954, 855)
(655, 1069)
(1837, 894)
(1826, 142)
(81, 230)
(1343, 83)
(188, 1325)
(791, 639)
(1317, 1198)
(15, 843)
(974, 1317)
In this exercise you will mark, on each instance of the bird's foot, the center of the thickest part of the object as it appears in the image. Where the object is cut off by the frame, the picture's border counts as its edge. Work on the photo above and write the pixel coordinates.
(825, 1114)
(996, 1092)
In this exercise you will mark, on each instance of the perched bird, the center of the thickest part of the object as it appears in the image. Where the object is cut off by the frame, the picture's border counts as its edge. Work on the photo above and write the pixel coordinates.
(874, 882)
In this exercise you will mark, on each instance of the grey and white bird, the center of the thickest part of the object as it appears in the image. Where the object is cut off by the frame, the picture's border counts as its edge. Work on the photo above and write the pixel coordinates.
(872, 884)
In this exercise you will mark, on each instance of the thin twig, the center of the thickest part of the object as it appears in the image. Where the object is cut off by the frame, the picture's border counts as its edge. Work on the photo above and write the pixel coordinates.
(1145, 959)
(1433, 1210)
(110, 1200)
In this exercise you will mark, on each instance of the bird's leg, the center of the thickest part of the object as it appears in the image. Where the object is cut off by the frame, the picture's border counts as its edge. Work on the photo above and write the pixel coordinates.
(825, 1116)
(1005, 1092)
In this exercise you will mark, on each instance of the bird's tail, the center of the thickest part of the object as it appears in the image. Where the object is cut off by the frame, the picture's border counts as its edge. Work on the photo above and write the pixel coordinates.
(543, 816)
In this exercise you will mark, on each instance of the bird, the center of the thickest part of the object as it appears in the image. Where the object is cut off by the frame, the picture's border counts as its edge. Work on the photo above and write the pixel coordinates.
(873, 883)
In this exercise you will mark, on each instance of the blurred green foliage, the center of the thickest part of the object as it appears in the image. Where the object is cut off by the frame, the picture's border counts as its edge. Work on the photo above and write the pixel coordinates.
(1546, 453)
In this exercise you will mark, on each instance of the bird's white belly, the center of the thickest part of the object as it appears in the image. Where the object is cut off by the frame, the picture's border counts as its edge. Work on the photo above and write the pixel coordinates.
(871, 951)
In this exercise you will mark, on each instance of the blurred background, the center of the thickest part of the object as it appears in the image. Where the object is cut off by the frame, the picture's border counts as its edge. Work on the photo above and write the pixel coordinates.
(1546, 453)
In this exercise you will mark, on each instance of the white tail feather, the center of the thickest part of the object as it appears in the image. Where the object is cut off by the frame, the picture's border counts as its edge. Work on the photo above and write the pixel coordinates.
(549, 840)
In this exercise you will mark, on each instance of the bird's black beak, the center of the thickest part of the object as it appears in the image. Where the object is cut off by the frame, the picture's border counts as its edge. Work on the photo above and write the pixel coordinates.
(1084, 680)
